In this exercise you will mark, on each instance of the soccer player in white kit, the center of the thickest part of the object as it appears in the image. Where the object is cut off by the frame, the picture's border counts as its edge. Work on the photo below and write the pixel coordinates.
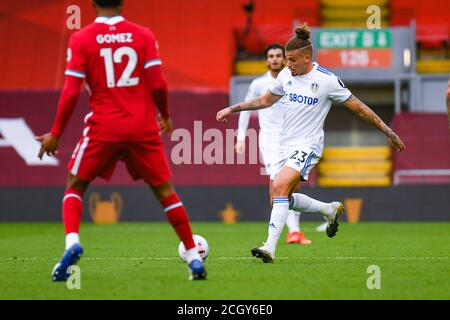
(270, 123)
(308, 90)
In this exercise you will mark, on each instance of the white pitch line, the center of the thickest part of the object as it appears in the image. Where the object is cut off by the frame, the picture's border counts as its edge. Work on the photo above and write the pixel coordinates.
(234, 258)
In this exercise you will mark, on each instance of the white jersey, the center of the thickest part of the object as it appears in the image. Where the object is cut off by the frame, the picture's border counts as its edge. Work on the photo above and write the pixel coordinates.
(270, 121)
(306, 102)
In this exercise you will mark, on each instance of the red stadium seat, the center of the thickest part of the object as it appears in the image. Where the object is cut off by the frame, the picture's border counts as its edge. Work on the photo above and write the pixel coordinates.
(432, 36)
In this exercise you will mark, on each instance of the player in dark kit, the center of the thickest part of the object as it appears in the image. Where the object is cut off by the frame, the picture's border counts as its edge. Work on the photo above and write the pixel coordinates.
(119, 61)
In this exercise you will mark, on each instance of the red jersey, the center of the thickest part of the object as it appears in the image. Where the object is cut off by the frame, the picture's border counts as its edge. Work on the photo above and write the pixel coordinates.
(112, 54)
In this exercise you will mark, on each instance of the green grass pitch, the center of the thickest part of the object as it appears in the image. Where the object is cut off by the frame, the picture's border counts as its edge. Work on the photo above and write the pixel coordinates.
(140, 261)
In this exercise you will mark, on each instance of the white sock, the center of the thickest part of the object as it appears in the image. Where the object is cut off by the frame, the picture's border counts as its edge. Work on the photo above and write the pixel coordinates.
(278, 217)
(293, 221)
(305, 204)
(192, 254)
(71, 239)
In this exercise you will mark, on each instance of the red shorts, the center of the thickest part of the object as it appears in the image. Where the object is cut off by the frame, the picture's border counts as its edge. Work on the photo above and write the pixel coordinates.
(144, 160)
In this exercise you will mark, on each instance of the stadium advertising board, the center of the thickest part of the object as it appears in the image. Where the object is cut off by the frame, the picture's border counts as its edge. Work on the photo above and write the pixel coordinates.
(199, 151)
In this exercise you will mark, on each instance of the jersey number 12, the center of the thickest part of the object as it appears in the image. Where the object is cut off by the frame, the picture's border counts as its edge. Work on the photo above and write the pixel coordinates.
(110, 58)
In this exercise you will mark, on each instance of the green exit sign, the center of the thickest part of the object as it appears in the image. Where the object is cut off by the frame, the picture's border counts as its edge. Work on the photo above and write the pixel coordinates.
(353, 39)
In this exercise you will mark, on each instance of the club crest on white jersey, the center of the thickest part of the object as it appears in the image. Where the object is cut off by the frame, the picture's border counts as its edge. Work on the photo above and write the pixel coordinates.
(307, 99)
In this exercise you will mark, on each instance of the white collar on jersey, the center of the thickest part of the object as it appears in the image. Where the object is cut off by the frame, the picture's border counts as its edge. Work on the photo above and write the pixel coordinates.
(270, 75)
(110, 20)
(315, 65)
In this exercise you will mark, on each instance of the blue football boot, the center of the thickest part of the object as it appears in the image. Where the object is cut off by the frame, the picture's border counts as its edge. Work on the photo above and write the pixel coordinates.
(70, 257)
(197, 270)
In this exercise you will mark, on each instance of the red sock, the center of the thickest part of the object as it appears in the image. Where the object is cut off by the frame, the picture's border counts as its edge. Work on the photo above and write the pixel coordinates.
(178, 218)
(72, 208)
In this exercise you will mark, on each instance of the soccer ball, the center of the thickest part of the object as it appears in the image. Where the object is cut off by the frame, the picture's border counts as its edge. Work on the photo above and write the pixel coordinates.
(200, 243)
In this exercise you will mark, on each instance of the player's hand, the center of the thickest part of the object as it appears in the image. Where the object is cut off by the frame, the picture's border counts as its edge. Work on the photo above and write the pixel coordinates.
(222, 115)
(395, 141)
(165, 125)
(240, 147)
(49, 145)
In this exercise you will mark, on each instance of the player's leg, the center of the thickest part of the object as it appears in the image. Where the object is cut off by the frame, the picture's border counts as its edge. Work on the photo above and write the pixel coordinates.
(147, 160)
(295, 235)
(270, 154)
(177, 216)
(332, 211)
(293, 225)
(305, 204)
(301, 202)
(90, 159)
(72, 209)
(292, 222)
(284, 181)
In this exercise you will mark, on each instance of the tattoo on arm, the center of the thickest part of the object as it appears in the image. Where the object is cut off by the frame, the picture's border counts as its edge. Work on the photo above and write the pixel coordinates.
(261, 102)
(362, 110)
(254, 104)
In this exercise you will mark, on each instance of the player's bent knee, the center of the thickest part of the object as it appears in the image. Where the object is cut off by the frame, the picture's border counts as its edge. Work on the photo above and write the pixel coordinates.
(280, 189)
(76, 183)
(163, 190)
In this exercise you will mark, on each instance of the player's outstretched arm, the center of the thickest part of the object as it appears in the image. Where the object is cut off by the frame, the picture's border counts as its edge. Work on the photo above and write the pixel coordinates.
(262, 102)
(362, 110)
(67, 102)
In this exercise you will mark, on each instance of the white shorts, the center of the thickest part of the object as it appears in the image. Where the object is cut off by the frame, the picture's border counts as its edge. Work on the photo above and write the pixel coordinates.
(301, 159)
(270, 153)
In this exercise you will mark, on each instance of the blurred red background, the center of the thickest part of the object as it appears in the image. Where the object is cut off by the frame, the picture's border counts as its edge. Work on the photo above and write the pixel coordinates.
(195, 37)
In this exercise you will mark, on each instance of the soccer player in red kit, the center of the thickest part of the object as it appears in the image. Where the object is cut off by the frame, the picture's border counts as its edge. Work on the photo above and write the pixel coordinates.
(119, 61)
